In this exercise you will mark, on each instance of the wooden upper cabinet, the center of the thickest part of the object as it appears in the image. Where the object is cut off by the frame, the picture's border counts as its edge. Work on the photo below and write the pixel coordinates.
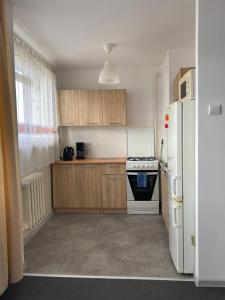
(65, 186)
(114, 107)
(68, 107)
(89, 186)
(90, 107)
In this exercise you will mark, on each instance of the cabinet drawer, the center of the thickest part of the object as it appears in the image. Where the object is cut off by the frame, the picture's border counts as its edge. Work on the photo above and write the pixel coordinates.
(113, 169)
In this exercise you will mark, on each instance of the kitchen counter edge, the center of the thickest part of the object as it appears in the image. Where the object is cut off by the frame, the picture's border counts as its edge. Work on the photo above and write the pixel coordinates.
(91, 161)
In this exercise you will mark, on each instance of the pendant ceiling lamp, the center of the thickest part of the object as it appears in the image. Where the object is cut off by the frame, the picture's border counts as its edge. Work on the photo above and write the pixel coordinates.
(108, 74)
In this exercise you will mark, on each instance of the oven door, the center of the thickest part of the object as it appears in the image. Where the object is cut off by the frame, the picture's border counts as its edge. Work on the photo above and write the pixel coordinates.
(142, 192)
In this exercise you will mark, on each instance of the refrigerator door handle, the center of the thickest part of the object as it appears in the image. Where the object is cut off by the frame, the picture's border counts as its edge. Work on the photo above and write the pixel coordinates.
(175, 182)
(175, 219)
(174, 186)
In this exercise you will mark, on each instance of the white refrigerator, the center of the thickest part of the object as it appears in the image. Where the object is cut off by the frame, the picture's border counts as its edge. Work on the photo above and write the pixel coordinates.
(181, 178)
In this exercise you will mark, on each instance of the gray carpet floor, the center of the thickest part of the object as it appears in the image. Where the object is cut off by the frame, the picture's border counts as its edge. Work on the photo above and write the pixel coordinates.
(105, 245)
(40, 288)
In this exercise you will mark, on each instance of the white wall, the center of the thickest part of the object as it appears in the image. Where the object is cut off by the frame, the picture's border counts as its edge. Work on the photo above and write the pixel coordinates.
(210, 261)
(162, 104)
(140, 85)
(173, 61)
(100, 141)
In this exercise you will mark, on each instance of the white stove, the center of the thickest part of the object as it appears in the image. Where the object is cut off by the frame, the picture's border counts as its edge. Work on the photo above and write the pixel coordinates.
(142, 185)
(142, 163)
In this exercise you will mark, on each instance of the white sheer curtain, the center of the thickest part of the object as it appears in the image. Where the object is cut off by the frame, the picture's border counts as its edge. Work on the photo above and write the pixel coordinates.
(36, 109)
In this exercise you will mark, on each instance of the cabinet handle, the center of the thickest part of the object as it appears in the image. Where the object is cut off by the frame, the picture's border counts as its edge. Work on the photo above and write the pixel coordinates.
(92, 123)
(116, 123)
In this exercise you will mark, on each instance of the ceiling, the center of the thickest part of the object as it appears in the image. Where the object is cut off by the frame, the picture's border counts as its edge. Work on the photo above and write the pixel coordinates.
(72, 31)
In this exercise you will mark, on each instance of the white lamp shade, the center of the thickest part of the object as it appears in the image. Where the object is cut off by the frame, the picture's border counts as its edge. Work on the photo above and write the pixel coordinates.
(108, 74)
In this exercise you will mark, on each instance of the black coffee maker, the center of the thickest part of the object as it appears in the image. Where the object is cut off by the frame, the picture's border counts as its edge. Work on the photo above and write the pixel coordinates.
(81, 151)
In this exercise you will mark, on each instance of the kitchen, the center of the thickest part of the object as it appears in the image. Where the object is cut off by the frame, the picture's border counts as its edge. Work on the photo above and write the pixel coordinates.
(116, 124)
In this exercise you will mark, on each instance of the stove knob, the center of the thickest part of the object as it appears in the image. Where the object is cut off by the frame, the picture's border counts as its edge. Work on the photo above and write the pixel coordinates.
(138, 166)
(146, 166)
(135, 166)
(150, 166)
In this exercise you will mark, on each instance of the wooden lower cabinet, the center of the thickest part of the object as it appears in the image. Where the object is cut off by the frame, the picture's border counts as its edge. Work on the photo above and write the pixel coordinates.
(114, 192)
(89, 186)
(65, 186)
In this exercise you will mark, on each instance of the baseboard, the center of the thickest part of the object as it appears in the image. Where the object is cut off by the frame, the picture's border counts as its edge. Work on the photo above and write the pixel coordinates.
(108, 277)
(208, 282)
(77, 210)
(28, 234)
(91, 210)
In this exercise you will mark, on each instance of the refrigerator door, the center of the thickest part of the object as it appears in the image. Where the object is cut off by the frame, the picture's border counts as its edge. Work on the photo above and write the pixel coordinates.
(174, 156)
(174, 150)
(189, 184)
(176, 234)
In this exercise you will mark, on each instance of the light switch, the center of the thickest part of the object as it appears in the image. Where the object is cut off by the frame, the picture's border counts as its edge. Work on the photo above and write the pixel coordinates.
(214, 109)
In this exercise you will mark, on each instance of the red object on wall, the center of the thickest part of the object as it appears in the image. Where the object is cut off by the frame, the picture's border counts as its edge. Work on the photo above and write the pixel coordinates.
(166, 125)
(167, 117)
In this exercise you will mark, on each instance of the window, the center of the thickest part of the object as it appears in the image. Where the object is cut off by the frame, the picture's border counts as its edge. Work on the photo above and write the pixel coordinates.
(36, 109)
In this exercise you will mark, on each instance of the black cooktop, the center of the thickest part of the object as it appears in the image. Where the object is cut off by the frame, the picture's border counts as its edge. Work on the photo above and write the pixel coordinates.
(142, 158)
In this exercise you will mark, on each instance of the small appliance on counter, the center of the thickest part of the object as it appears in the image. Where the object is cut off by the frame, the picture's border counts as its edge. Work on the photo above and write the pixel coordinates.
(68, 153)
(81, 151)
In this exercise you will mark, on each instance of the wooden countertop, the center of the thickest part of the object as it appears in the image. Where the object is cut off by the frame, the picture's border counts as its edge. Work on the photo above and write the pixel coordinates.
(120, 160)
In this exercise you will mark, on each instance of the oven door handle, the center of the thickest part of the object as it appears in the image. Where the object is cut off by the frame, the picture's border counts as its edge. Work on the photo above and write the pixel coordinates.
(136, 173)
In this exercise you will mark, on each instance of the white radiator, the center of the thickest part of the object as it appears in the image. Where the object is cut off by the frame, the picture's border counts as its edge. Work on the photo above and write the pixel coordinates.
(33, 202)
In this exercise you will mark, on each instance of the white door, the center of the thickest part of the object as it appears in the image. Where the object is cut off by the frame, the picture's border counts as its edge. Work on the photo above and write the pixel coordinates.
(174, 156)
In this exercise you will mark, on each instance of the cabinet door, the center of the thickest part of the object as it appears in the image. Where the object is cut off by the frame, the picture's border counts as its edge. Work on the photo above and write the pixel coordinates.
(90, 107)
(68, 107)
(65, 180)
(89, 186)
(114, 192)
(114, 107)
